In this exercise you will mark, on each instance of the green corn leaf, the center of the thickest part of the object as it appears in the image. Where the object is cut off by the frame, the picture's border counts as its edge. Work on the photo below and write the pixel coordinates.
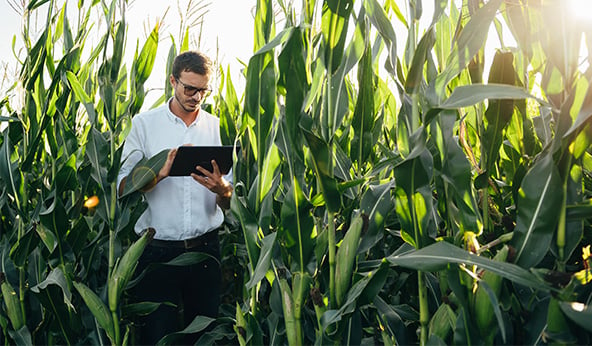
(297, 225)
(21, 336)
(538, 208)
(334, 24)
(377, 203)
(392, 321)
(20, 251)
(198, 324)
(364, 113)
(144, 172)
(56, 277)
(349, 305)
(66, 177)
(584, 114)
(143, 65)
(346, 257)
(336, 99)
(579, 313)
(468, 95)
(48, 237)
(264, 261)
(97, 151)
(34, 4)
(293, 79)
(415, 74)
(8, 169)
(323, 166)
(469, 42)
(264, 23)
(413, 196)
(437, 256)
(118, 44)
(380, 20)
(55, 218)
(240, 208)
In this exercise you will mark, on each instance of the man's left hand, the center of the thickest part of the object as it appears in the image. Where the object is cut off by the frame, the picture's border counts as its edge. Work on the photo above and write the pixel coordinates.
(214, 181)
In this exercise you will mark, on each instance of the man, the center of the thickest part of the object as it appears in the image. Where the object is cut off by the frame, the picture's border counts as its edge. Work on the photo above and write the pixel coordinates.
(185, 212)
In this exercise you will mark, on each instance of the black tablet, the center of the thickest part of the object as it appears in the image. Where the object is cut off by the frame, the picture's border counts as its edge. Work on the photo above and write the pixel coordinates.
(188, 157)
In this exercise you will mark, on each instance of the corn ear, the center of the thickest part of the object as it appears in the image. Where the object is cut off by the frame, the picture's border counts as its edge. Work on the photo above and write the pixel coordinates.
(556, 322)
(11, 300)
(482, 306)
(300, 286)
(288, 307)
(125, 267)
(97, 308)
(443, 321)
(319, 304)
(345, 258)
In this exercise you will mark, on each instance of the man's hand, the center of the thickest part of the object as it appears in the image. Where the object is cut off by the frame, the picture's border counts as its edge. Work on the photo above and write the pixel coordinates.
(164, 171)
(214, 182)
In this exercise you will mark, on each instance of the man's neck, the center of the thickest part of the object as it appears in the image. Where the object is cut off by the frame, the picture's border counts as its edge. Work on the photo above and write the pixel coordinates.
(181, 113)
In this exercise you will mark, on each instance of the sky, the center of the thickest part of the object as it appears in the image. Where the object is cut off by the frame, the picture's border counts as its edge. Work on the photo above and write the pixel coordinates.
(227, 35)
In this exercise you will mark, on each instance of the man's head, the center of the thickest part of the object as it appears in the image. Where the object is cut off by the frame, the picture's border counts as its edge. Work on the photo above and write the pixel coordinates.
(190, 79)
(192, 61)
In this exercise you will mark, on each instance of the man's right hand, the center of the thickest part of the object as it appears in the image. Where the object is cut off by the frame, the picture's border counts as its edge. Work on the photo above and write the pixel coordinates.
(164, 171)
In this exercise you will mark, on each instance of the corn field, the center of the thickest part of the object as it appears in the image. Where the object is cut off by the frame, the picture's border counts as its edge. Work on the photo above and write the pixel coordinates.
(431, 194)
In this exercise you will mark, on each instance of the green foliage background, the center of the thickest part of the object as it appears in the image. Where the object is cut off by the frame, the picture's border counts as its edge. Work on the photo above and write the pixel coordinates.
(379, 199)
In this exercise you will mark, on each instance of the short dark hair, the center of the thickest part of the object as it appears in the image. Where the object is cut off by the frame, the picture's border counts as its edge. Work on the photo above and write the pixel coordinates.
(192, 61)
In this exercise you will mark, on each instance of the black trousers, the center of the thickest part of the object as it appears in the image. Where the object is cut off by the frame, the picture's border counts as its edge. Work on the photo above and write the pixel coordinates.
(194, 290)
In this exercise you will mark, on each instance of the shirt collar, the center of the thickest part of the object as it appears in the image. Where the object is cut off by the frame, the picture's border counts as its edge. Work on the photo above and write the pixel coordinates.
(175, 118)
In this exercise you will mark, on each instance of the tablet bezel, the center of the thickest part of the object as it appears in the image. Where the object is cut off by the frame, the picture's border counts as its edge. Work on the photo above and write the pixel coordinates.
(188, 157)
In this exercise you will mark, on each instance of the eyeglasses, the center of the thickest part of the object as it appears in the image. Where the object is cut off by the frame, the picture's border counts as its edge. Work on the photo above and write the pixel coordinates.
(189, 90)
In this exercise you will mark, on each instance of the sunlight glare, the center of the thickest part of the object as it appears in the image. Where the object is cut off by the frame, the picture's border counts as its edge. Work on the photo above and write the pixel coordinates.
(581, 9)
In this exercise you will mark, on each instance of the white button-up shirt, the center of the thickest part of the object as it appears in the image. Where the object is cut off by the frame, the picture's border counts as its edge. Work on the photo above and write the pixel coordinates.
(178, 207)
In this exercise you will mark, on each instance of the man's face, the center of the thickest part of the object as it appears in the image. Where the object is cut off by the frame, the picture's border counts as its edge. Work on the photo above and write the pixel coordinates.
(190, 90)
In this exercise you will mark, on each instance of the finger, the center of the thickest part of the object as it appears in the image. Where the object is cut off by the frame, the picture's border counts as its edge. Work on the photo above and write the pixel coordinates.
(215, 167)
(204, 171)
(200, 179)
(172, 154)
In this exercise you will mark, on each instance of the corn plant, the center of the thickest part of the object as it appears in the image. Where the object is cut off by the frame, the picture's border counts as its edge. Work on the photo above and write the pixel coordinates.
(382, 197)
(382, 194)
(64, 231)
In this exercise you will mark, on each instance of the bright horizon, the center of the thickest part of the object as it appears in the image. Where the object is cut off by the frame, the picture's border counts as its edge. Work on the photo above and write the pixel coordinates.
(226, 36)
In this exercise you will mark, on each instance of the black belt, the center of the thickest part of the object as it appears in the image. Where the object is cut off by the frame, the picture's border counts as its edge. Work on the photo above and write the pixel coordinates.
(203, 239)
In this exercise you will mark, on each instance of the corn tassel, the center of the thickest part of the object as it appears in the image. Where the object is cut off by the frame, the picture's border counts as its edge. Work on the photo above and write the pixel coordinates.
(345, 258)
(11, 300)
(482, 306)
(98, 309)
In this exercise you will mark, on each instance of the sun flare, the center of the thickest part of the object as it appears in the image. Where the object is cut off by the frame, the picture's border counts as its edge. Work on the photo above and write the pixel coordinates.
(581, 9)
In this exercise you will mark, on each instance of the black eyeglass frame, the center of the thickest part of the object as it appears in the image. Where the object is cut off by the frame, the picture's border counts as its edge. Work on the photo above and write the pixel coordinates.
(190, 90)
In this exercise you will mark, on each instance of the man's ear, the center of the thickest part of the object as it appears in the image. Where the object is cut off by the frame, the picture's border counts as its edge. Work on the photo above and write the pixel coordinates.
(173, 81)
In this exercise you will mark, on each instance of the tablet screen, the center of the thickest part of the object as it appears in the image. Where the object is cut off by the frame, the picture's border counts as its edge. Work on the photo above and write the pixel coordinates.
(188, 157)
